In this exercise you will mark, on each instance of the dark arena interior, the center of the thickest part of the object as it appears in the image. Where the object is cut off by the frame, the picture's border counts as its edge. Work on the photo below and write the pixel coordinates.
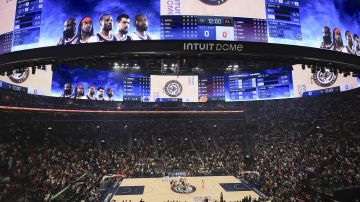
(187, 101)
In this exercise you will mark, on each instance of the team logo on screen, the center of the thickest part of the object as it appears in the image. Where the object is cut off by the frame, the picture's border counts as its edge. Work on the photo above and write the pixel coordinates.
(203, 99)
(213, 2)
(173, 88)
(325, 78)
(19, 77)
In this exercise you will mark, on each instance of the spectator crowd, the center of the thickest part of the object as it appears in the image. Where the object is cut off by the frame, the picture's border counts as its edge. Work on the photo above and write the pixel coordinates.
(296, 149)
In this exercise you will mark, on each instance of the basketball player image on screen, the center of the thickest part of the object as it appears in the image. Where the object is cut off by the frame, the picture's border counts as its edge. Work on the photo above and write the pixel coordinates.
(79, 92)
(326, 43)
(123, 23)
(69, 34)
(349, 46)
(356, 45)
(85, 30)
(106, 24)
(109, 93)
(338, 42)
(67, 91)
(91, 93)
(100, 93)
(141, 24)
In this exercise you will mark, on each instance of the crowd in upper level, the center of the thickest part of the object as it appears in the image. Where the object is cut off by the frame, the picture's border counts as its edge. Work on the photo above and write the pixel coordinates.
(297, 149)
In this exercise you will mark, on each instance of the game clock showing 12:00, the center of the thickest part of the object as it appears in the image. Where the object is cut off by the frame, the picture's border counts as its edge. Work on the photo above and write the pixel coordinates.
(207, 26)
(215, 21)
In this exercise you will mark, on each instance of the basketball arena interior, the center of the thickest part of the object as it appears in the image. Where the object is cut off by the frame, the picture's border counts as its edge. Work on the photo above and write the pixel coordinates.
(179, 100)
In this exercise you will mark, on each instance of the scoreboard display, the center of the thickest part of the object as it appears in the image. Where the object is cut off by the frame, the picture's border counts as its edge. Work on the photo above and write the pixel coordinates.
(6, 42)
(12, 87)
(283, 18)
(178, 27)
(247, 29)
(268, 84)
(213, 28)
(136, 87)
(211, 88)
(27, 24)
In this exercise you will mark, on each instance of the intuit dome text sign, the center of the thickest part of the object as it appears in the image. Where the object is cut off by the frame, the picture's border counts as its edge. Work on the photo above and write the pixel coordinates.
(222, 47)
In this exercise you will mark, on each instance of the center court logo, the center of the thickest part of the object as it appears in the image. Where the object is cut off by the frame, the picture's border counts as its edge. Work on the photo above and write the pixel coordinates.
(213, 2)
(183, 188)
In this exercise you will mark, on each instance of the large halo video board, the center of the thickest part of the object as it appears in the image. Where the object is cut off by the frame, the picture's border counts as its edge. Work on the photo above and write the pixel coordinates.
(117, 85)
(326, 24)
(121, 84)
(129, 84)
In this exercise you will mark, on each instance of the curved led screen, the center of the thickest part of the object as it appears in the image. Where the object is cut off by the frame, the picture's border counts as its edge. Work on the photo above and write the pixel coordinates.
(120, 85)
(129, 83)
(327, 24)
(95, 84)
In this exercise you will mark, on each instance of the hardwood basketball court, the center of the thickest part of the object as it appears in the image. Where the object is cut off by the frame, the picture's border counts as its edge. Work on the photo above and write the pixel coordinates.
(159, 189)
